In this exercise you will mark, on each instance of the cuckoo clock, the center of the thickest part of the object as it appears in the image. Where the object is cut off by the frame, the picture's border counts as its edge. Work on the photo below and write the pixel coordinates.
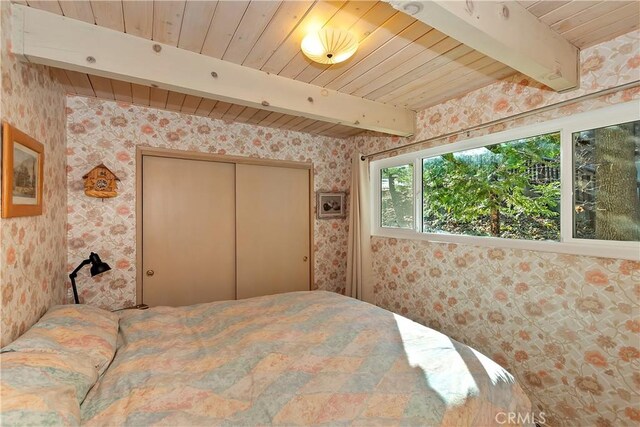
(101, 182)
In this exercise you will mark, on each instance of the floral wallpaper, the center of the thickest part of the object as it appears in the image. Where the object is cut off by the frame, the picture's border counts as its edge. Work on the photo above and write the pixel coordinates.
(33, 254)
(108, 132)
(603, 66)
(566, 326)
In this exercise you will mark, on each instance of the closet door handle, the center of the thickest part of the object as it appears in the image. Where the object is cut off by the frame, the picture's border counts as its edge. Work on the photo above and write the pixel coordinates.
(150, 273)
(305, 258)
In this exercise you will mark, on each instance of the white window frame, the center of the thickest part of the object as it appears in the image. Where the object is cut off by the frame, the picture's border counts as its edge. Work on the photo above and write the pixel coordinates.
(566, 126)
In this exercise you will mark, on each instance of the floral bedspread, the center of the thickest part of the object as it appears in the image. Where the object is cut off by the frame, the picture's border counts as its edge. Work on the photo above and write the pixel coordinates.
(303, 358)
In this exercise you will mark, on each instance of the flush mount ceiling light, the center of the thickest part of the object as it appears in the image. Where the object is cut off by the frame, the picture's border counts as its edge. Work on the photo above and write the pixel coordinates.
(329, 46)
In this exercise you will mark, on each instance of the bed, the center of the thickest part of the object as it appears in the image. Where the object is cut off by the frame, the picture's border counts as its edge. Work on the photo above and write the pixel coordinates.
(302, 358)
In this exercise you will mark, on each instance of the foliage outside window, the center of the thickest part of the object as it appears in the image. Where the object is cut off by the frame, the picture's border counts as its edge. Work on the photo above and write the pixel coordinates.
(568, 185)
(509, 190)
(397, 196)
(606, 180)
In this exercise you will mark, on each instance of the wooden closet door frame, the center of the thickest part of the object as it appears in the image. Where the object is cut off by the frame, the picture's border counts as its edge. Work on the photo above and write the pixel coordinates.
(195, 155)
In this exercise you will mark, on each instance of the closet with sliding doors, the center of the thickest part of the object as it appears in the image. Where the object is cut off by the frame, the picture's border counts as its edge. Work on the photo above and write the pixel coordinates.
(214, 228)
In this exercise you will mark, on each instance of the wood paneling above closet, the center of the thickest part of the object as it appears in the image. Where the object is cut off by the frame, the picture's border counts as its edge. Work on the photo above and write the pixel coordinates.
(400, 61)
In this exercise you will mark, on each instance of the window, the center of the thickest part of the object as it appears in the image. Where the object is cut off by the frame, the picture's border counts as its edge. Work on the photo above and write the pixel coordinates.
(570, 185)
(606, 182)
(509, 190)
(396, 192)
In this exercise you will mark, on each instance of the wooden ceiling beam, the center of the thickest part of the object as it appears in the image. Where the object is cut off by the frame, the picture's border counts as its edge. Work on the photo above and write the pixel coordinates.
(45, 38)
(506, 32)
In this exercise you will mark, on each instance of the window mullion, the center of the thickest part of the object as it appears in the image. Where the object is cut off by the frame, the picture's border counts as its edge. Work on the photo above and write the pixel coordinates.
(566, 186)
(417, 187)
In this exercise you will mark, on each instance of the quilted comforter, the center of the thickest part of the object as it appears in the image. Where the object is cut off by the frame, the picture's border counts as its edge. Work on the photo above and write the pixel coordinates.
(303, 358)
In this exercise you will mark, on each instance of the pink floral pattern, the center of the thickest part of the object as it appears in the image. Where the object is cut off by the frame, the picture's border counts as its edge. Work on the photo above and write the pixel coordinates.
(566, 326)
(33, 264)
(101, 131)
(605, 65)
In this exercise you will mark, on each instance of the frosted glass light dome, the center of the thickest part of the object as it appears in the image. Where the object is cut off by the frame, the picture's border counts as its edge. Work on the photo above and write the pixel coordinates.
(329, 46)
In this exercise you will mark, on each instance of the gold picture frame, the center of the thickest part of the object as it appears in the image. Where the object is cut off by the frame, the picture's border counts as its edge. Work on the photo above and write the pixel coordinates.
(22, 173)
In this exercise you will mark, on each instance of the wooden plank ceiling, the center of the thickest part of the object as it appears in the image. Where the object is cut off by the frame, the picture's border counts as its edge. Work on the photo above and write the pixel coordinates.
(399, 61)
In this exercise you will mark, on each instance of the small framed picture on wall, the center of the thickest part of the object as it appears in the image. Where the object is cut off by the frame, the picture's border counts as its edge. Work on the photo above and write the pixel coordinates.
(331, 205)
(22, 173)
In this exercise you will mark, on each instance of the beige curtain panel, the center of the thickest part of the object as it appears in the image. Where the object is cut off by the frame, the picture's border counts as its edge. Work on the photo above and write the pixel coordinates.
(359, 270)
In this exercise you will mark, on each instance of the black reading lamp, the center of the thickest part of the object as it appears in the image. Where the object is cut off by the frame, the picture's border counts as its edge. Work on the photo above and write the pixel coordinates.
(97, 267)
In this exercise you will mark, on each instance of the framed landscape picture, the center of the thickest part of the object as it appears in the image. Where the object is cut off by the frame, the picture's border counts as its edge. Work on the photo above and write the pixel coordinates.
(331, 205)
(22, 173)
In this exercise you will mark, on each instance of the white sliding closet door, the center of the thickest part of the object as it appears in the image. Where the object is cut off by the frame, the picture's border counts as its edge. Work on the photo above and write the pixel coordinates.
(188, 231)
(272, 230)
